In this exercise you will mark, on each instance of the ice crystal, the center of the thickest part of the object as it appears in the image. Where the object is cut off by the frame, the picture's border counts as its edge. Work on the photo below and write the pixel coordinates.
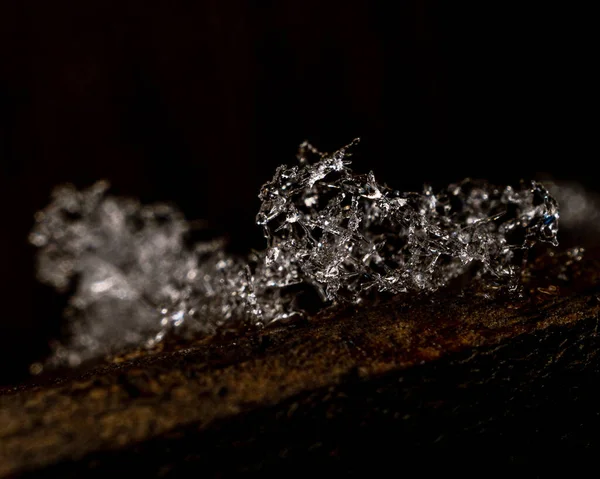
(346, 233)
(125, 261)
(580, 207)
(135, 277)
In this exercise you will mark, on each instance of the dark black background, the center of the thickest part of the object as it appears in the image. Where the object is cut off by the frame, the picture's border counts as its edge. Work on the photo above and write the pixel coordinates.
(198, 102)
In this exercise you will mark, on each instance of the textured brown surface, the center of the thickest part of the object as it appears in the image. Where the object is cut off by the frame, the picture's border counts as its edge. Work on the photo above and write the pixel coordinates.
(216, 386)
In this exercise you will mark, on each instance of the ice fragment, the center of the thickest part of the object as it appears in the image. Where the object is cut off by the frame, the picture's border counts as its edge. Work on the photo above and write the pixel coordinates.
(135, 277)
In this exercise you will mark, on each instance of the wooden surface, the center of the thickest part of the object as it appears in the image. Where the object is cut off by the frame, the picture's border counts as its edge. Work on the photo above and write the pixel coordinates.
(380, 383)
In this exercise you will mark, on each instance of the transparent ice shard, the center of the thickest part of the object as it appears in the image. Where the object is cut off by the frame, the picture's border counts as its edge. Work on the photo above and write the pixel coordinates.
(136, 278)
(346, 233)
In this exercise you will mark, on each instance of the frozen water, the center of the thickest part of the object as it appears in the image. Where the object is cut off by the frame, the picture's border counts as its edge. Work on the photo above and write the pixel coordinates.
(345, 233)
(135, 278)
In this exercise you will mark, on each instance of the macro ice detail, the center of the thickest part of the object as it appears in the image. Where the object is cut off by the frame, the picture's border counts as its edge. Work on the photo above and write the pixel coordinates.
(135, 277)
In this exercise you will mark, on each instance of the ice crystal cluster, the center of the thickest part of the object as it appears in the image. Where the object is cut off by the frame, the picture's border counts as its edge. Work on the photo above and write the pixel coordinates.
(135, 277)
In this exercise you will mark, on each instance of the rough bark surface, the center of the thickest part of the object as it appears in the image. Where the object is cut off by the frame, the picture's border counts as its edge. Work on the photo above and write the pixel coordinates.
(396, 383)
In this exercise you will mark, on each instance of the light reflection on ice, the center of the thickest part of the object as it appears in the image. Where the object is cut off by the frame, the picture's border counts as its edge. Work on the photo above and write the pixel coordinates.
(327, 229)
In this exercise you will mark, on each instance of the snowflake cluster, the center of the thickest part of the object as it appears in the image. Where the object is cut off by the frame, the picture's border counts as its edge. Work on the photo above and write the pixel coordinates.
(134, 276)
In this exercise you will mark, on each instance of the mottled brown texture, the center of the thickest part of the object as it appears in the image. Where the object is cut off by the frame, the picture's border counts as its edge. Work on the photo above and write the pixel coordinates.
(144, 401)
